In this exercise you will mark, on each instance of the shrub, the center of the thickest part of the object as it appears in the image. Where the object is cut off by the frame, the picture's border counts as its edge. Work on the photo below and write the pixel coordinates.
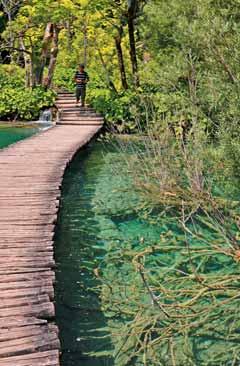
(125, 111)
(11, 75)
(18, 102)
(24, 104)
(63, 77)
(148, 107)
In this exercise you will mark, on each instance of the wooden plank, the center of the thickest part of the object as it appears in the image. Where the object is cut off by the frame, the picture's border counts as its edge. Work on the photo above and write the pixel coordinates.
(18, 285)
(26, 251)
(37, 343)
(23, 301)
(19, 321)
(45, 310)
(27, 276)
(48, 358)
(66, 123)
(16, 293)
(22, 270)
(18, 332)
(31, 263)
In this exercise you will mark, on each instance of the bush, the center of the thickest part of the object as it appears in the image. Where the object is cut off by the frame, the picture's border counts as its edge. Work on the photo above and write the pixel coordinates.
(24, 104)
(63, 77)
(126, 111)
(18, 102)
(11, 75)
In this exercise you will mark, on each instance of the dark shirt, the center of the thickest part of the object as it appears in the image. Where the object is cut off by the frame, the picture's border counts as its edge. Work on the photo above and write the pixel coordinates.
(81, 79)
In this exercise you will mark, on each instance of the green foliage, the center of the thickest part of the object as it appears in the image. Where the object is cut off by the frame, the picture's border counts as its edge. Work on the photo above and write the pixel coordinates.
(187, 57)
(63, 77)
(18, 102)
(230, 152)
(24, 104)
(11, 75)
(125, 111)
(191, 52)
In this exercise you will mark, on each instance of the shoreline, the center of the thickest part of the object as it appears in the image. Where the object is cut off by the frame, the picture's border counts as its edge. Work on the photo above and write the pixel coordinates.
(25, 124)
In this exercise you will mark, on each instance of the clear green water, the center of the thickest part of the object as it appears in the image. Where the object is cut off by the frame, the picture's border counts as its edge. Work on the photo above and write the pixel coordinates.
(10, 135)
(92, 213)
(78, 307)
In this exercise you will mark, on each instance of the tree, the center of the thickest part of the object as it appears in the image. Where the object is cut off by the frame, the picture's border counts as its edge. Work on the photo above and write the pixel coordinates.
(131, 16)
(10, 8)
(35, 20)
(47, 39)
(134, 10)
(121, 64)
(54, 53)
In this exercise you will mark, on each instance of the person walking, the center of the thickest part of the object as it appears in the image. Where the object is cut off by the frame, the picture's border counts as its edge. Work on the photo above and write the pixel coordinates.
(81, 79)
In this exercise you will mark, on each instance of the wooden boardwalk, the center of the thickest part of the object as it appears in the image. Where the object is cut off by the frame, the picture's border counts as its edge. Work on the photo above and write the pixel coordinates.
(72, 115)
(31, 173)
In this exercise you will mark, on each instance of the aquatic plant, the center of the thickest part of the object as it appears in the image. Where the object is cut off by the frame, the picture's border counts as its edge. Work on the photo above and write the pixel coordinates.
(172, 298)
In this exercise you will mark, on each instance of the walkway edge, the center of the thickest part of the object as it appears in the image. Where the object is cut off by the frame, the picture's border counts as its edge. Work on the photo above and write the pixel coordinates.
(31, 176)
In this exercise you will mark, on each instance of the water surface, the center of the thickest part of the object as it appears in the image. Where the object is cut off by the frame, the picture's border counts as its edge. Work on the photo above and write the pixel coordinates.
(97, 206)
(10, 135)
(101, 228)
(76, 253)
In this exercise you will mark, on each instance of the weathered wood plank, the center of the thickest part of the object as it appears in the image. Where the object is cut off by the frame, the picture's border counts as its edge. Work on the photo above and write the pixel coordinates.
(27, 276)
(32, 344)
(47, 358)
(16, 293)
(18, 332)
(23, 301)
(22, 270)
(19, 321)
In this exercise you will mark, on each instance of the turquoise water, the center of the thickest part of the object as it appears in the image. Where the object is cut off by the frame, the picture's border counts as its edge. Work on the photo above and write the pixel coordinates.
(92, 213)
(10, 135)
(102, 227)
(78, 306)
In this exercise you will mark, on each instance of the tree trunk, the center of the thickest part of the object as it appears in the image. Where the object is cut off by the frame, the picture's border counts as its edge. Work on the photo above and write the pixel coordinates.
(69, 36)
(6, 5)
(54, 53)
(28, 64)
(85, 35)
(132, 42)
(10, 8)
(108, 78)
(45, 49)
(118, 43)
